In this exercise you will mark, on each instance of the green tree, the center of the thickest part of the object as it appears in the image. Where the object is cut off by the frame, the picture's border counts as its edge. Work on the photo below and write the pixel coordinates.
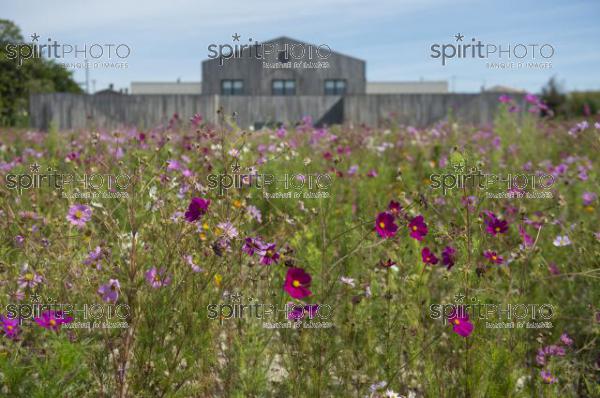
(34, 75)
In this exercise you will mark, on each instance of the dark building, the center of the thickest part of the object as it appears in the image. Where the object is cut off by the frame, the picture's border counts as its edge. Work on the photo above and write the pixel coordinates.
(284, 66)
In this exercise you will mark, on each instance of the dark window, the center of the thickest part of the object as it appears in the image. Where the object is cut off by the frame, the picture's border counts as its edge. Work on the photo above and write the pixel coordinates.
(283, 87)
(335, 87)
(232, 87)
(283, 57)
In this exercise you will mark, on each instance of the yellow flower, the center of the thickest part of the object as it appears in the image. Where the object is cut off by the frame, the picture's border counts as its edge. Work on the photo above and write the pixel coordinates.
(218, 280)
(237, 203)
(589, 209)
(205, 226)
(202, 236)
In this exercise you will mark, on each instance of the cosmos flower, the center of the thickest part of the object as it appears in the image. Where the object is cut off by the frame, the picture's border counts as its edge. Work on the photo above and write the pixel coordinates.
(448, 256)
(560, 241)
(418, 228)
(79, 215)
(372, 173)
(553, 269)
(268, 253)
(94, 258)
(252, 245)
(228, 230)
(385, 225)
(493, 257)
(428, 257)
(196, 209)
(190, 261)
(565, 339)
(110, 291)
(297, 282)
(459, 319)
(588, 198)
(10, 326)
(394, 208)
(29, 279)
(53, 319)
(494, 225)
(298, 311)
(173, 165)
(547, 377)
(527, 239)
(504, 99)
(157, 278)
(254, 213)
(387, 263)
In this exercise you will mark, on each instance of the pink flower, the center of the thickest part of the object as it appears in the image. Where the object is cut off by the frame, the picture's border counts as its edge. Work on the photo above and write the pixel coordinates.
(385, 225)
(297, 282)
(10, 327)
(418, 228)
(196, 209)
(459, 319)
(157, 278)
(79, 215)
(493, 257)
(53, 320)
(428, 257)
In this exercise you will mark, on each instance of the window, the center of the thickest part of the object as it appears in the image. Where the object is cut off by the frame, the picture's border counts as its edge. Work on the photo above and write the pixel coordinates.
(283, 87)
(335, 87)
(232, 87)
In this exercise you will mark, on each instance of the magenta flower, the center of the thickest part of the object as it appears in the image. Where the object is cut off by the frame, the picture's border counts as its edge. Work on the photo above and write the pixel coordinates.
(494, 225)
(196, 209)
(588, 198)
(418, 228)
(493, 257)
(459, 318)
(394, 208)
(448, 256)
(428, 257)
(252, 245)
(53, 319)
(527, 239)
(79, 215)
(10, 327)
(297, 311)
(385, 225)
(297, 282)
(157, 278)
(110, 291)
(269, 254)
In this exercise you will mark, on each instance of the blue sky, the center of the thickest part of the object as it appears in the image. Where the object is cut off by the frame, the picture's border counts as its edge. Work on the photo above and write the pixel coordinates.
(169, 39)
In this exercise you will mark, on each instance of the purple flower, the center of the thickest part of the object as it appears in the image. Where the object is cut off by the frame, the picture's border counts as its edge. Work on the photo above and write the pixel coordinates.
(553, 269)
(29, 279)
(418, 228)
(94, 258)
(268, 253)
(297, 282)
(394, 208)
(196, 209)
(565, 339)
(252, 245)
(428, 257)
(493, 257)
(110, 291)
(19, 240)
(298, 311)
(448, 257)
(190, 261)
(385, 225)
(53, 319)
(254, 212)
(459, 319)
(157, 278)
(494, 225)
(588, 198)
(79, 215)
(10, 326)
(547, 377)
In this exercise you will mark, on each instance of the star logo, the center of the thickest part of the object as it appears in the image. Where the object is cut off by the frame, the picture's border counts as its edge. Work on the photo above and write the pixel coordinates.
(35, 37)
(235, 167)
(236, 297)
(459, 37)
(459, 297)
(35, 298)
(236, 37)
(35, 168)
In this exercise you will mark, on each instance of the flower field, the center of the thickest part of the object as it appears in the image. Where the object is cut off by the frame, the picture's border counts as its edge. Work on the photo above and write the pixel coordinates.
(193, 260)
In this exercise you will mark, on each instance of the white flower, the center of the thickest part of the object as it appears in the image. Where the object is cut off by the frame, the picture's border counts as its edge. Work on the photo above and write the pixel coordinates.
(348, 281)
(561, 241)
(391, 394)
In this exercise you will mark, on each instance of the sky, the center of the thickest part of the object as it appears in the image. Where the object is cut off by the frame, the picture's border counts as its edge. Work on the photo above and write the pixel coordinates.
(169, 39)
